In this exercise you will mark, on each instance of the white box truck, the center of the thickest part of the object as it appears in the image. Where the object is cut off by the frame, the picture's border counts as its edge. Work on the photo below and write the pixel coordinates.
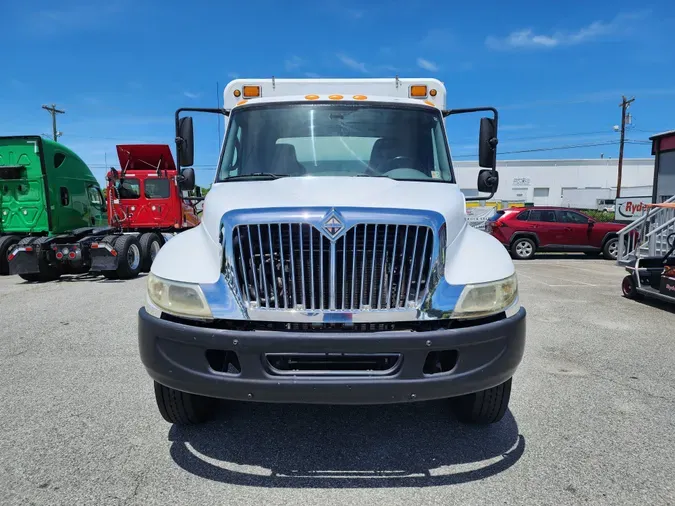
(334, 262)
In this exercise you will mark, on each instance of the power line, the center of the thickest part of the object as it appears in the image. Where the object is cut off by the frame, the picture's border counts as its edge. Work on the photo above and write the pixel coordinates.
(554, 148)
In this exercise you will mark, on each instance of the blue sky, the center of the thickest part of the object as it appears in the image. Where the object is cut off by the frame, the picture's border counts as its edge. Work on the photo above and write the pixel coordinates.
(556, 70)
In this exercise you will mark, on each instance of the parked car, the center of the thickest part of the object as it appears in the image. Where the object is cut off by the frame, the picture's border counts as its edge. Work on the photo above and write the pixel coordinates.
(526, 231)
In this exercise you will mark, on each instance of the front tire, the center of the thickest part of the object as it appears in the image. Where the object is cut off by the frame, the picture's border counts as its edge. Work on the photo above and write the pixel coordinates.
(183, 408)
(629, 288)
(484, 407)
(523, 248)
(611, 249)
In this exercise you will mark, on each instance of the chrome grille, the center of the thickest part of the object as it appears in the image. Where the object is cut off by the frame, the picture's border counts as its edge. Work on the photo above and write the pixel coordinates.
(369, 267)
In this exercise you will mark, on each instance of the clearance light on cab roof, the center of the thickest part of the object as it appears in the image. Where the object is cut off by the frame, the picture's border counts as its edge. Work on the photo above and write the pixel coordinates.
(432, 93)
(251, 91)
(242, 102)
(237, 93)
(418, 91)
(312, 97)
(359, 97)
(335, 97)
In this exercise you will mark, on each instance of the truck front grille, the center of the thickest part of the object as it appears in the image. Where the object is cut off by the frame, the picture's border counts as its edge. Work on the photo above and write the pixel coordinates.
(370, 267)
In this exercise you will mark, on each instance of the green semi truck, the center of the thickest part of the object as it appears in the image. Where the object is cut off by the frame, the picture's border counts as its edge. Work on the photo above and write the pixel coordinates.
(51, 205)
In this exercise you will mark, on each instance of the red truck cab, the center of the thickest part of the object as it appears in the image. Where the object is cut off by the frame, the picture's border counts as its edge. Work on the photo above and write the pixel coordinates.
(527, 230)
(146, 194)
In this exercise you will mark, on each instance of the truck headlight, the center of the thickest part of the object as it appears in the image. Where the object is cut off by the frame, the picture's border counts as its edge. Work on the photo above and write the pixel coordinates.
(177, 298)
(486, 299)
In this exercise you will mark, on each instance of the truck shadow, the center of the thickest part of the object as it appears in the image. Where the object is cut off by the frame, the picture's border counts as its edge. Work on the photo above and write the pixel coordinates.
(80, 278)
(567, 256)
(307, 446)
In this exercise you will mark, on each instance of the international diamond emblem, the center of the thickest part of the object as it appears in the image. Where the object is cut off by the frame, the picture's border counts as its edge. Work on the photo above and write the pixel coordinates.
(333, 226)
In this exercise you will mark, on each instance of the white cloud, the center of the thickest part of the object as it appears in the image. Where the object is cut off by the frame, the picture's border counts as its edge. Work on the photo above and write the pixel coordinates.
(79, 15)
(352, 63)
(293, 63)
(355, 13)
(427, 65)
(189, 94)
(527, 38)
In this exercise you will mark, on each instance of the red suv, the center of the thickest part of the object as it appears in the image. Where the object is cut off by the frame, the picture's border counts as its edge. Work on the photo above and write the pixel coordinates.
(526, 230)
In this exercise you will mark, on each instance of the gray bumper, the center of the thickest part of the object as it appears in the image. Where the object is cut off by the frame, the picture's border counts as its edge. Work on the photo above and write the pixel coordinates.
(175, 355)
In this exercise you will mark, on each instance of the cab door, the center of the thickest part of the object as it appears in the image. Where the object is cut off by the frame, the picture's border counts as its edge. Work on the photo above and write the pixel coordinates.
(97, 213)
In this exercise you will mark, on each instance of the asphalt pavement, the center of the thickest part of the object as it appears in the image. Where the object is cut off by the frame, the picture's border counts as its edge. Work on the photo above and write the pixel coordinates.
(591, 419)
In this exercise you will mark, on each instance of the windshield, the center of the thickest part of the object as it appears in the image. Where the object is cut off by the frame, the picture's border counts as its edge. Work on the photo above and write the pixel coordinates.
(293, 140)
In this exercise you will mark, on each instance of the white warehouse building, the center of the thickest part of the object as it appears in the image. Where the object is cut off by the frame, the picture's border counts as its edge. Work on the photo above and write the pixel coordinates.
(568, 183)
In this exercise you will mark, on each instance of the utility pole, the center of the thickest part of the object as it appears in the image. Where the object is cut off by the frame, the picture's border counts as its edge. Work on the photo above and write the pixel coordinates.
(53, 111)
(625, 103)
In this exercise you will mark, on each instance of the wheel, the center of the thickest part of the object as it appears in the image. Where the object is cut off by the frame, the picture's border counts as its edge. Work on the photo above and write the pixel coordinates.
(6, 244)
(129, 256)
(629, 288)
(611, 249)
(523, 248)
(484, 407)
(48, 272)
(150, 245)
(182, 408)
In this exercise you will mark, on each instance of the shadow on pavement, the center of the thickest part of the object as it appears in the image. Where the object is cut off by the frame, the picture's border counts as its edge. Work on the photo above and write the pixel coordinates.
(569, 256)
(406, 445)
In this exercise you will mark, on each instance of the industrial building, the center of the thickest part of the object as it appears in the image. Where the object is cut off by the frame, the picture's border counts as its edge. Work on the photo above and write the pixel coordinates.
(586, 184)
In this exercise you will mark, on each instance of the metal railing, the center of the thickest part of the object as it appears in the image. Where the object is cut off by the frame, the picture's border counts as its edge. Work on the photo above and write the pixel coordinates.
(647, 235)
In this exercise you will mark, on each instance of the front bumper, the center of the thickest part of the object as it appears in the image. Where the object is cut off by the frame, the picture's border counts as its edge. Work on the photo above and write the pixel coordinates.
(175, 355)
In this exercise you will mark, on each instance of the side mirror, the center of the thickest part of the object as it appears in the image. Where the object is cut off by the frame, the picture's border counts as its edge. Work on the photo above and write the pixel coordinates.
(186, 146)
(487, 143)
(488, 181)
(187, 180)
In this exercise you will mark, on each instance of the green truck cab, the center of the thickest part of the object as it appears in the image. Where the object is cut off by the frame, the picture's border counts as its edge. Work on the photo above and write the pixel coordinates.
(48, 197)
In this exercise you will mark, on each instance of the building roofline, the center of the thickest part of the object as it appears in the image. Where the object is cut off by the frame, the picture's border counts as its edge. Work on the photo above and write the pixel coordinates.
(668, 133)
(561, 161)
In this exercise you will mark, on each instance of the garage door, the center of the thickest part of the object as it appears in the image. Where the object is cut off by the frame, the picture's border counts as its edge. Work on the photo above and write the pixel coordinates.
(540, 196)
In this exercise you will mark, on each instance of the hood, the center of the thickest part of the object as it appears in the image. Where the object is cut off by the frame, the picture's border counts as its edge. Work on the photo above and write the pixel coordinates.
(336, 192)
(145, 156)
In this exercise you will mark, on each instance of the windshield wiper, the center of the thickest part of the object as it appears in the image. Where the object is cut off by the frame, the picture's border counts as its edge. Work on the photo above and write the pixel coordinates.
(255, 175)
(372, 175)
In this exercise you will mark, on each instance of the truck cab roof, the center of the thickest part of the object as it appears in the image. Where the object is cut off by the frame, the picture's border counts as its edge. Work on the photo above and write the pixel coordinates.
(389, 90)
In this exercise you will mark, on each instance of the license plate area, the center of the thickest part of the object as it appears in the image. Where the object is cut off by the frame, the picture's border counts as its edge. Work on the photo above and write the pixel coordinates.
(333, 364)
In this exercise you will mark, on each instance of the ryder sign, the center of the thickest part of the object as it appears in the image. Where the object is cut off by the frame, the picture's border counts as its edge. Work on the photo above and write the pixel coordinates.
(630, 208)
